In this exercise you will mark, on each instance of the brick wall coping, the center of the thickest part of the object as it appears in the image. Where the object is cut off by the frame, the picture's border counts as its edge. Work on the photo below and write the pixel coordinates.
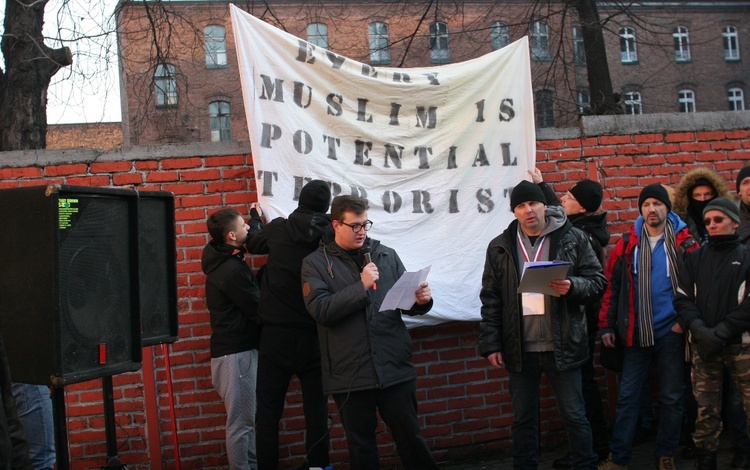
(590, 126)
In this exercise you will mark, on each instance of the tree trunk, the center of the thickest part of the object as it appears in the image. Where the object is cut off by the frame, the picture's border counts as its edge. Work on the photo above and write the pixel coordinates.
(29, 67)
(603, 99)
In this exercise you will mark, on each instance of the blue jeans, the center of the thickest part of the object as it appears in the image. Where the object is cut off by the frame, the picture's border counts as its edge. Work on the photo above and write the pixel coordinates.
(235, 378)
(34, 407)
(669, 354)
(524, 392)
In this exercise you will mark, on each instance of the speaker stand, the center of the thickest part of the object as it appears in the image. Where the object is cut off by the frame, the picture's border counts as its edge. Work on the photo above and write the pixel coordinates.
(110, 427)
(61, 428)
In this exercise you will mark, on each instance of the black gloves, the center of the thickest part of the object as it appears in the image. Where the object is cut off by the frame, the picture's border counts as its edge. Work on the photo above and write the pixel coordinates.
(705, 339)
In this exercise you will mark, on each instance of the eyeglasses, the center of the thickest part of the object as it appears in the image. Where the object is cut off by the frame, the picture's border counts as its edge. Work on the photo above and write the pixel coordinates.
(357, 227)
(717, 219)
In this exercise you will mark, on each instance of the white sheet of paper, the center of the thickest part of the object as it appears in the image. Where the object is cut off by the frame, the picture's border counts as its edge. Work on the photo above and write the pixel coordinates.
(538, 274)
(533, 304)
(401, 294)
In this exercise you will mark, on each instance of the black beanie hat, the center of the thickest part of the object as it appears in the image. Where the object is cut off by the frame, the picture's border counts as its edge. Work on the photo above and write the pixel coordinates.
(744, 173)
(588, 194)
(316, 196)
(526, 191)
(655, 191)
(724, 205)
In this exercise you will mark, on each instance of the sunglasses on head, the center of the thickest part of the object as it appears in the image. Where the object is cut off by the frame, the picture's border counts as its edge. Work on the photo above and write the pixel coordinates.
(717, 219)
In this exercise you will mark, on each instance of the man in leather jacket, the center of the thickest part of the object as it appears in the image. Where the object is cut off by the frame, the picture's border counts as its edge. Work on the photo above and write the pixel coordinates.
(365, 352)
(533, 333)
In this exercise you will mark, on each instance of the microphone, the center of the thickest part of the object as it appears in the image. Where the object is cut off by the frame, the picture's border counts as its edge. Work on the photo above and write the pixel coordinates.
(368, 260)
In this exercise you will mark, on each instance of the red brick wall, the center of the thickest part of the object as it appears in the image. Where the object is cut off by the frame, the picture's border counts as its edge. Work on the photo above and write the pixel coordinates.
(464, 406)
(103, 135)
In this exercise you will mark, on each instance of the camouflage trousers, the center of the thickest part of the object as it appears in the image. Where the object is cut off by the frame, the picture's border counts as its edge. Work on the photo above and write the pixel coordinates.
(708, 377)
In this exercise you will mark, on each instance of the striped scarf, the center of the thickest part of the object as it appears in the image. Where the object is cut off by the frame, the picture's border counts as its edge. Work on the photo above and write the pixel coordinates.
(645, 311)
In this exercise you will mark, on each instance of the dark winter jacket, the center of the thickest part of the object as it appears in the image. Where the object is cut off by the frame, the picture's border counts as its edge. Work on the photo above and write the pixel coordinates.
(744, 230)
(360, 347)
(691, 211)
(14, 450)
(502, 322)
(593, 224)
(618, 312)
(286, 242)
(714, 284)
(232, 298)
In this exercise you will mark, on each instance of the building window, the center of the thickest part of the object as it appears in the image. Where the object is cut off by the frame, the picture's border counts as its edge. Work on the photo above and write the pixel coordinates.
(545, 109)
(736, 99)
(540, 41)
(216, 46)
(579, 49)
(628, 53)
(439, 51)
(380, 44)
(687, 101)
(166, 85)
(499, 35)
(584, 101)
(681, 44)
(633, 104)
(317, 34)
(731, 43)
(221, 124)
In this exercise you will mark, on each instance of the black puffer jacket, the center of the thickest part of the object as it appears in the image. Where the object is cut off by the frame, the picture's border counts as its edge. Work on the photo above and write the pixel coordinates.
(502, 325)
(232, 298)
(360, 348)
(744, 231)
(287, 242)
(712, 280)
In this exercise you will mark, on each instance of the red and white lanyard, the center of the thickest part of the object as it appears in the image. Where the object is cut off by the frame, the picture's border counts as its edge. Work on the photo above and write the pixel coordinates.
(526, 254)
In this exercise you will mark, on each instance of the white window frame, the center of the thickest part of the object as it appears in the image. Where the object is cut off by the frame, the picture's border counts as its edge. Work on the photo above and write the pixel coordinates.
(628, 48)
(439, 43)
(221, 122)
(736, 98)
(380, 43)
(540, 41)
(686, 100)
(215, 39)
(317, 34)
(499, 35)
(681, 44)
(731, 43)
(165, 81)
(633, 102)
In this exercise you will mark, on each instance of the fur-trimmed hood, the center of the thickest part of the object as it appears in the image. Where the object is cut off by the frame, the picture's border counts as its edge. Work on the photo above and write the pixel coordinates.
(681, 193)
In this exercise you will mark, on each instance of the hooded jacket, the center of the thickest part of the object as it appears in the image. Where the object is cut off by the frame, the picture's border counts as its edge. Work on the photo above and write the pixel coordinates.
(360, 347)
(503, 326)
(232, 298)
(691, 211)
(287, 242)
(618, 311)
(713, 288)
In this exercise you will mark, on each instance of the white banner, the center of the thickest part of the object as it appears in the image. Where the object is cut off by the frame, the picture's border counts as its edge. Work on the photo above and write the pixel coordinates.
(434, 150)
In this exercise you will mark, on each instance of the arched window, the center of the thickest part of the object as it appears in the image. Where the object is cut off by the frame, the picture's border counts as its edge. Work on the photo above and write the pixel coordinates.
(166, 85)
(439, 52)
(317, 34)
(216, 46)
(736, 99)
(686, 99)
(633, 103)
(221, 123)
(499, 35)
(380, 43)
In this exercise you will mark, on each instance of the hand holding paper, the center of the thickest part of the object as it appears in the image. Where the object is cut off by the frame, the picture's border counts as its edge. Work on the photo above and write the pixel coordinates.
(404, 292)
(545, 277)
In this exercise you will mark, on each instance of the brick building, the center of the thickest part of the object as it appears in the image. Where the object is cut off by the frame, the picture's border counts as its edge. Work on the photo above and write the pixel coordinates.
(184, 85)
(102, 135)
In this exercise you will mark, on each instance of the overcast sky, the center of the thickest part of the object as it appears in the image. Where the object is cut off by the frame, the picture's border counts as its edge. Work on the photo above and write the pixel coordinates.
(89, 90)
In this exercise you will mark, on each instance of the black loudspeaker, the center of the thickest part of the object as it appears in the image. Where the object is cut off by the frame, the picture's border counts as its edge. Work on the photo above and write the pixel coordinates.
(69, 287)
(158, 267)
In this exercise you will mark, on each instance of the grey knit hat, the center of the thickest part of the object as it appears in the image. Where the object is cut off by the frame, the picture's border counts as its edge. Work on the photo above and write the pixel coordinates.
(724, 205)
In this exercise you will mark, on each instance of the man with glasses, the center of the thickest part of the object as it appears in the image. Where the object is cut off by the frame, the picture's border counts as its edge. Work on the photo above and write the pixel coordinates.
(713, 304)
(532, 333)
(365, 353)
